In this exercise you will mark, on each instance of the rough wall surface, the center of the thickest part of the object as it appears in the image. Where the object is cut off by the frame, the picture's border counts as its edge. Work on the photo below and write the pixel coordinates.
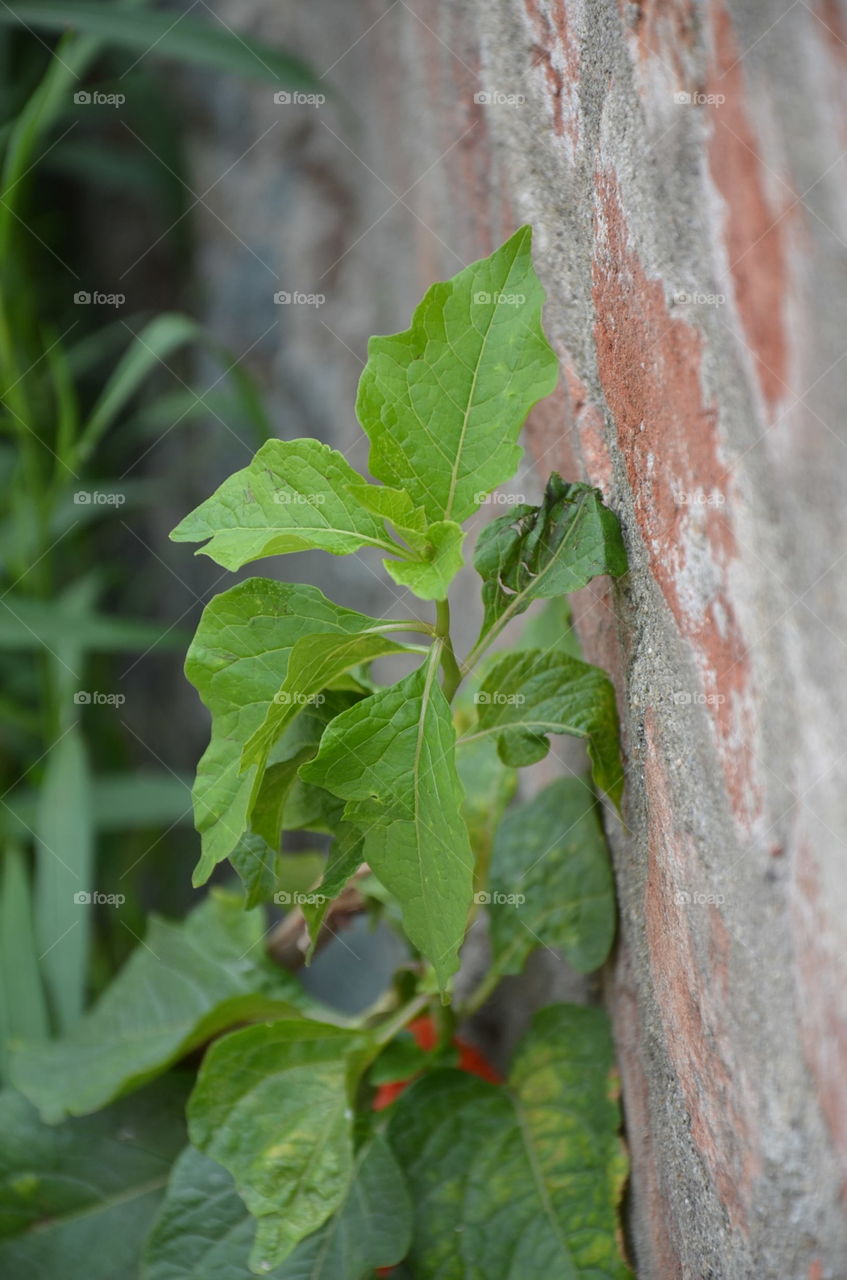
(683, 166)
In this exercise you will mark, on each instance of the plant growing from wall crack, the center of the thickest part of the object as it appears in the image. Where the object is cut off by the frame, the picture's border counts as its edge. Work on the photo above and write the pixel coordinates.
(301, 1152)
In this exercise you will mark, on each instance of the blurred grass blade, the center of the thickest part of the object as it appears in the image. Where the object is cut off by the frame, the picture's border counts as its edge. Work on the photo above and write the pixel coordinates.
(36, 624)
(65, 854)
(23, 1008)
(136, 801)
(163, 32)
(149, 348)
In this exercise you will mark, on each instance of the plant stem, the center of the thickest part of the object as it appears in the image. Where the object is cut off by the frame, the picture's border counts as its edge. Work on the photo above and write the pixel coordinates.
(452, 671)
(388, 1029)
(478, 998)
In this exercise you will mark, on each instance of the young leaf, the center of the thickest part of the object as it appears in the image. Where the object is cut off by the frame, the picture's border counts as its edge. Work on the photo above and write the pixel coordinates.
(271, 1105)
(441, 559)
(185, 983)
(443, 403)
(203, 1229)
(237, 662)
(391, 757)
(79, 1198)
(523, 1179)
(488, 785)
(551, 851)
(546, 551)
(314, 663)
(294, 495)
(529, 694)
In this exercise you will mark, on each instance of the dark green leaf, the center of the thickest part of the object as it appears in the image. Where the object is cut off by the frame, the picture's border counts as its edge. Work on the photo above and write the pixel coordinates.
(546, 551)
(78, 1198)
(255, 862)
(345, 855)
(518, 1181)
(529, 694)
(551, 882)
(204, 1232)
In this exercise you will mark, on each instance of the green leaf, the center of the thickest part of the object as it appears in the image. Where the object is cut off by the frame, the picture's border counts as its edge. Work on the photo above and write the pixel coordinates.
(529, 694)
(315, 661)
(345, 856)
(441, 560)
(391, 757)
(22, 1000)
(147, 31)
(237, 662)
(271, 1105)
(522, 1180)
(78, 1198)
(64, 869)
(551, 852)
(546, 551)
(255, 861)
(203, 1230)
(443, 403)
(184, 984)
(294, 495)
(488, 785)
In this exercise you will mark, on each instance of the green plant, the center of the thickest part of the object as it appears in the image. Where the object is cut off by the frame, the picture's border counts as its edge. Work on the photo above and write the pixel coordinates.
(68, 387)
(288, 1160)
